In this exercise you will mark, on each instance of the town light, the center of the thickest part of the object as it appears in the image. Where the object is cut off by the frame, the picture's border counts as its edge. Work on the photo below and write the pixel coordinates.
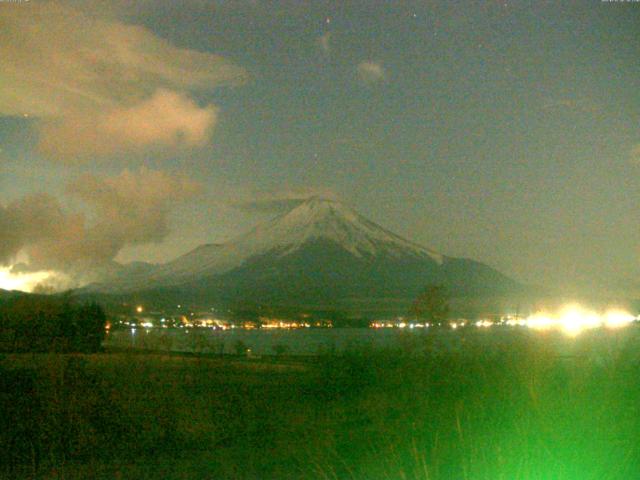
(617, 319)
(573, 319)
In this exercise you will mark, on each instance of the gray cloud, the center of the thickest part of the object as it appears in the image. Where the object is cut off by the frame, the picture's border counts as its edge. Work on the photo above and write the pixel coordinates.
(129, 209)
(582, 105)
(282, 201)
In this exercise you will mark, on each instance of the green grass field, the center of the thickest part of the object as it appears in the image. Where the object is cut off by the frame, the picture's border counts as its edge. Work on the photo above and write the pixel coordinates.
(516, 411)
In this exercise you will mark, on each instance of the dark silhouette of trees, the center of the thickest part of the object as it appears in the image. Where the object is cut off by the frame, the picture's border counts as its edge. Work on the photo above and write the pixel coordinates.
(279, 349)
(51, 324)
(90, 321)
(240, 348)
(431, 305)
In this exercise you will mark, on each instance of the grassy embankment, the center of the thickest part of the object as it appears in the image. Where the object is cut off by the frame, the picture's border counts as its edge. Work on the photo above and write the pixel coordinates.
(513, 412)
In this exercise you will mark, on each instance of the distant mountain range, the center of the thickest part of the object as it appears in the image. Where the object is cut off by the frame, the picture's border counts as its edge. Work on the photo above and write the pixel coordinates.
(320, 252)
(9, 294)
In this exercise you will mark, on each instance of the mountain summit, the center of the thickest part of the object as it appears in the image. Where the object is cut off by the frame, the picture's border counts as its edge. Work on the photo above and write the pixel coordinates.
(319, 251)
(313, 220)
(319, 218)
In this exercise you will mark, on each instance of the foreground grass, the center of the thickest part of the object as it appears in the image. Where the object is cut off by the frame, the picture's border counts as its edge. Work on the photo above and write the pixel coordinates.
(512, 411)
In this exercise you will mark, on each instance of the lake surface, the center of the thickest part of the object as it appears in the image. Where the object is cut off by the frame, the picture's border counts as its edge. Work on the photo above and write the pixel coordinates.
(338, 340)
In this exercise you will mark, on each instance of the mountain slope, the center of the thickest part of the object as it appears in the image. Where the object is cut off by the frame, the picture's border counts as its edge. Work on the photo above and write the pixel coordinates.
(314, 219)
(320, 251)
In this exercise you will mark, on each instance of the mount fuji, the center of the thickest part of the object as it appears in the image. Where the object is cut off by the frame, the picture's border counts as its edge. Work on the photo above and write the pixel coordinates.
(320, 252)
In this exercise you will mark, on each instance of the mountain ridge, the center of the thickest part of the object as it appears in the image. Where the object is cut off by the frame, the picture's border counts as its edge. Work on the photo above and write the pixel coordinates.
(320, 248)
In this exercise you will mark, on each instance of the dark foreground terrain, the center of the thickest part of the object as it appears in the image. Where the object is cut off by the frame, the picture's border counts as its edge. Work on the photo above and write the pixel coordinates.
(519, 411)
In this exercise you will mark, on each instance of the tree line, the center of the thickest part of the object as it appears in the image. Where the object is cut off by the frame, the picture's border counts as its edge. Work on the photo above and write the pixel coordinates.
(431, 305)
(33, 323)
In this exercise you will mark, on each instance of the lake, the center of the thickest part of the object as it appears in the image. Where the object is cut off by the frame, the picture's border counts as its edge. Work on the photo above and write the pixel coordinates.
(309, 341)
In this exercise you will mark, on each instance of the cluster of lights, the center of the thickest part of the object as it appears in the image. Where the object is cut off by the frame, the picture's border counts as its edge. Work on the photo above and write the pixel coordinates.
(285, 324)
(382, 324)
(574, 319)
(212, 323)
(190, 321)
(483, 323)
(272, 323)
(571, 320)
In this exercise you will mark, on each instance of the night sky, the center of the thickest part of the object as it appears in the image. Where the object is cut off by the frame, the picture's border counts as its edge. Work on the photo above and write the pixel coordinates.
(507, 132)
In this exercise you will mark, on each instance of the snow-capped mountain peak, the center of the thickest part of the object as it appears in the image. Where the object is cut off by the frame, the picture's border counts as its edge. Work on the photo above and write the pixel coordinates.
(319, 218)
(315, 219)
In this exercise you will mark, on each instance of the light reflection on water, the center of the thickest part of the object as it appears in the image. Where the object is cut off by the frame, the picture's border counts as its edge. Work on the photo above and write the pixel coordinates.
(338, 340)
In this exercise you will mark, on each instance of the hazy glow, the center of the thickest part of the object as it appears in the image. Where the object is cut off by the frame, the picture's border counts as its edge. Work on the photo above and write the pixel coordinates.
(539, 321)
(574, 319)
(24, 282)
(484, 323)
(617, 319)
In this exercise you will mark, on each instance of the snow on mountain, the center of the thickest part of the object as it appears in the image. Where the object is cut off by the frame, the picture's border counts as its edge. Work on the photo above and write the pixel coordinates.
(314, 219)
(330, 220)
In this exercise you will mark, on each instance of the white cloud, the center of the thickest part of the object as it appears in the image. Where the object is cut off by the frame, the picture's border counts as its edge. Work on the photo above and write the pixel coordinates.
(370, 72)
(86, 78)
(167, 119)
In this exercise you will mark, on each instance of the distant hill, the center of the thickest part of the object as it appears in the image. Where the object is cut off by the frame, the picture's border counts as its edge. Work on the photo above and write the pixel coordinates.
(320, 252)
(4, 294)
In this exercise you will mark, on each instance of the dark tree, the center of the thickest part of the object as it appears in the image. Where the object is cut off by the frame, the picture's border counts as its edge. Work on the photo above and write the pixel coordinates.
(432, 305)
(49, 323)
(240, 348)
(91, 321)
(279, 350)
